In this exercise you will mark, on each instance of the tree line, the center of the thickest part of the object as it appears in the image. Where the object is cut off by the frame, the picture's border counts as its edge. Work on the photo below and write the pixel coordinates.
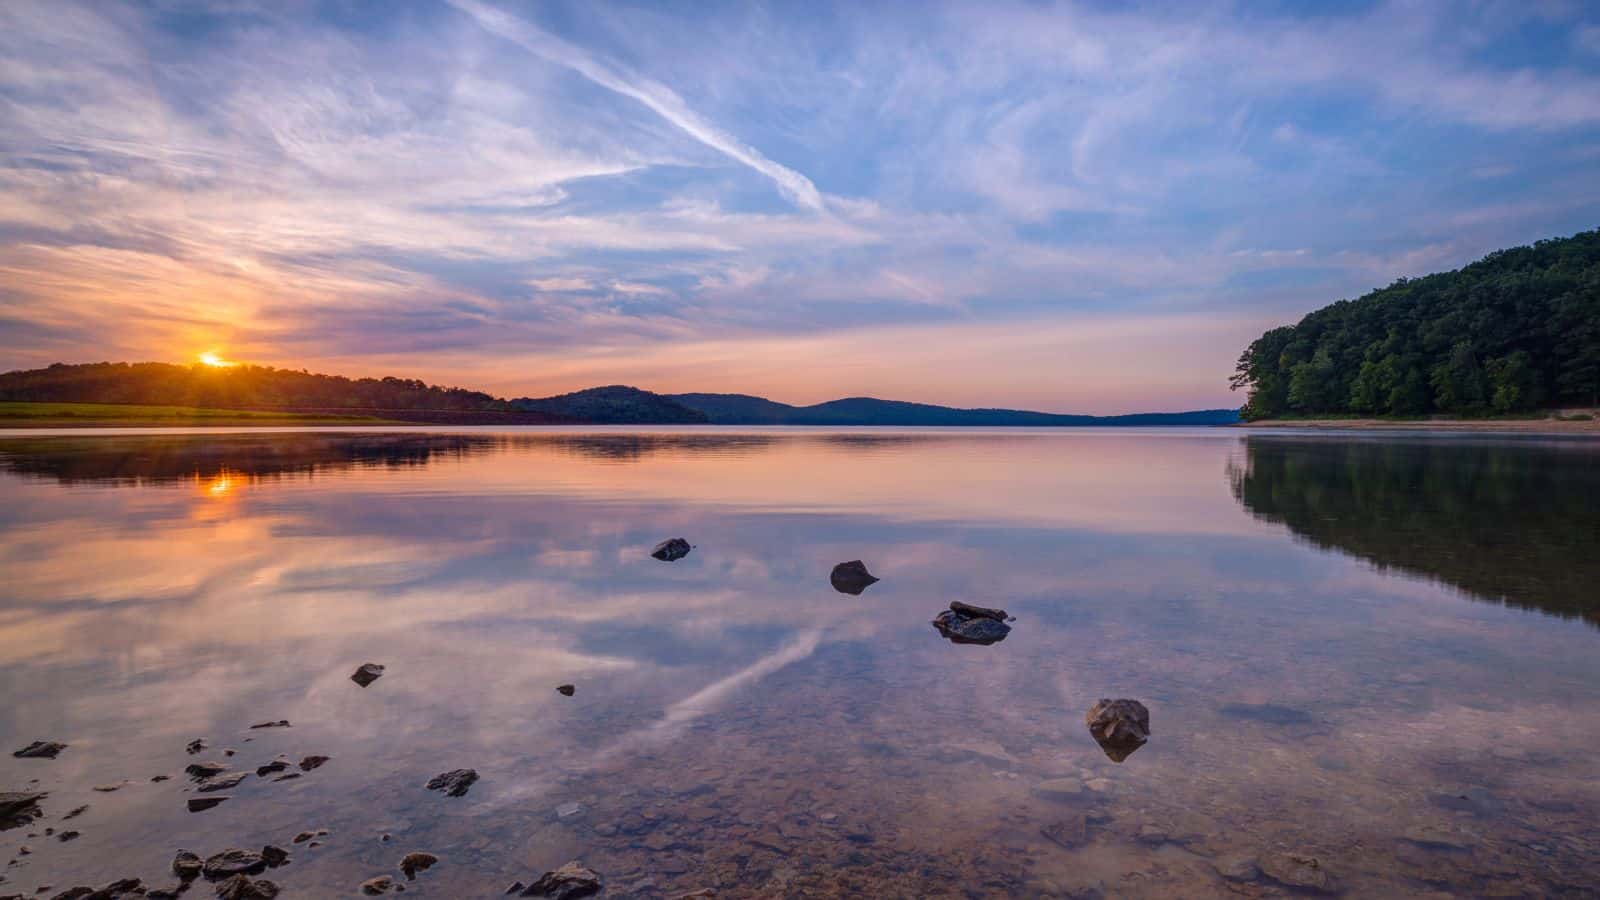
(234, 387)
(1518, 330)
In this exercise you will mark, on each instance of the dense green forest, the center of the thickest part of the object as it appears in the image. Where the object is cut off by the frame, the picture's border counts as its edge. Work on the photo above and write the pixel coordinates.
(234, 387)
(1518, 330)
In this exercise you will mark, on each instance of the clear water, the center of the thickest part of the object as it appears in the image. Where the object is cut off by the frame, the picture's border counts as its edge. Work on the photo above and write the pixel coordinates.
(1379, 652)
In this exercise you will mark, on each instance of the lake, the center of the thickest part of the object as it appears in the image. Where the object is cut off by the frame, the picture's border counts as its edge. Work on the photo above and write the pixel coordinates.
(1371, 663)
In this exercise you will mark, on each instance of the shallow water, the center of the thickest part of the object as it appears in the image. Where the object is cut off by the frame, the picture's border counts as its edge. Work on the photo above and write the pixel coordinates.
(1379, 652)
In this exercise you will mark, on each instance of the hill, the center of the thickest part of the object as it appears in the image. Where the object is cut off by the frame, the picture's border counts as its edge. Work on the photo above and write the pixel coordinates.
(1516, 331)
(743, 409)
(615, 404)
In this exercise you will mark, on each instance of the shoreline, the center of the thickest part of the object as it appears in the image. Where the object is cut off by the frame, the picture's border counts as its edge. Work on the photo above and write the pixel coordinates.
(1549, 426)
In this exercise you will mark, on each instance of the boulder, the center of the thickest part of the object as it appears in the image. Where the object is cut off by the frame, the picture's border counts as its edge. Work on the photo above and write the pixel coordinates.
(40, 750)
(963, 624)
(416, 861)
(233, 861)
(566, 883)
(367, 674)
(1118, 726)
(454, 783)
(851, 577)
(671, 549)
(187, 866)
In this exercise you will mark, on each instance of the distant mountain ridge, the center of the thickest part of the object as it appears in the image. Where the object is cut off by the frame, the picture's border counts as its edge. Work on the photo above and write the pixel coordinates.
(263, 387)
(743, 409)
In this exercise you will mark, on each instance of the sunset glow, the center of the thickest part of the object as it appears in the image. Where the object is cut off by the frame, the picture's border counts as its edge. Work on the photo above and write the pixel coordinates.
(215, 361)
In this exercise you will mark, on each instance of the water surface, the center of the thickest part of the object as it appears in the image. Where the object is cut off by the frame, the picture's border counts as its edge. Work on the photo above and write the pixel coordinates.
(1379, 652)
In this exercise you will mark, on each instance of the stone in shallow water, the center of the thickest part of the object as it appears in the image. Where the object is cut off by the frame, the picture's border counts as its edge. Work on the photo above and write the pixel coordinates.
(566, 690)
(568, 810)
(416, 861)
(454, 783)
(381, 884)
(851, 577)
(313, 762)
(242, 887)
(205, 769)
(233, 861)
(671, 549)
(281, 723)
(40, 750)
(1119, 726)
(1059, 789)
(201, 804)
(195, 746)
(964, 624)
(19, 808)
(277, 765)
(1298, 871)
(1238, 868)
(220, 782)
(566, 883)
(367, 674)
(274, 855)
(1070, 833)
(187, 866)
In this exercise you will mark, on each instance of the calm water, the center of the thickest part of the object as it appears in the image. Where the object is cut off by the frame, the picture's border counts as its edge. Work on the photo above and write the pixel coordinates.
(1382, 653)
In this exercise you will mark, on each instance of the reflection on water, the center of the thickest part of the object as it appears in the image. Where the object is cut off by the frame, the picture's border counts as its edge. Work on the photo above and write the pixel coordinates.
(738, 723)
(1500, 521)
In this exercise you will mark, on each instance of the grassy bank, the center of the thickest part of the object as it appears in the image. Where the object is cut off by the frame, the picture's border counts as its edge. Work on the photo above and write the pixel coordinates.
(116, 415)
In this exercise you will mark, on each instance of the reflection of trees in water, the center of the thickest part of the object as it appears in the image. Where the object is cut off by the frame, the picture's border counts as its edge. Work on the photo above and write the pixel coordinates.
(155, 459)
(1512, 523)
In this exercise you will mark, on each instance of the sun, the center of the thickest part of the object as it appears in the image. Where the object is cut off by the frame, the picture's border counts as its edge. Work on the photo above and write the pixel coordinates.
(211, 359)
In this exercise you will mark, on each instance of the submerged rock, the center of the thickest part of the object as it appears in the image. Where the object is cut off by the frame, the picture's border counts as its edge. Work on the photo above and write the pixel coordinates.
(19, 808)
(1298, 871)
(367, 674)
(201, 804)
(851, 577)
(274, 856)
(671, 550)
(277, 765)
(566, 690)
(242, 887)
(233, 861)
(381, 884)
(116, 890)
(965, 624)
(570, 881)
(313, 762)
(205, 769)
(195, 746)
(281, 723)
(1238, 868)
(454, 783)
(1118, 726)
(303, 836)
(187, 866)
(1069, 833)
(220, 782)
(40, 750)
(416, 861)
(75, 812)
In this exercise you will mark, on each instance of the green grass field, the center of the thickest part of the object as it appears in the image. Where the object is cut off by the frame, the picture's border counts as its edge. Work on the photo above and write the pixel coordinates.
(107, 415)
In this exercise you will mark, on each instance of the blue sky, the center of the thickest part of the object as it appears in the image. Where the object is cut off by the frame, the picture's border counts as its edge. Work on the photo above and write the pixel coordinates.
(1073, 207)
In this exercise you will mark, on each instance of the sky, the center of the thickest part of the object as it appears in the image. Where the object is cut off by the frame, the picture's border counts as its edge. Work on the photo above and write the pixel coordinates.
(1072, 207)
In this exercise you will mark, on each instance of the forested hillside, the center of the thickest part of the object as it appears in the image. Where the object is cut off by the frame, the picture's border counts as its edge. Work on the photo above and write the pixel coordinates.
(1518, 330)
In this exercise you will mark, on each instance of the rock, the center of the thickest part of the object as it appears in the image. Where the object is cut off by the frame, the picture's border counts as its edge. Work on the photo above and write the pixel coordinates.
(416, 861)
(220, 782)
(700, 894)
(568, 810)
(454, 783)
(281, 723)
(205, 769)
(289, 777)
(303, 836)
(367, 674)
(241, 887)
(165, 893)
(40, 750)
(187, 866)
(160, 778)
(1119, 726)
(195, 746)
(274, 856)
(1238, 868)
(669, 550)
(75, 812)
(566, 689)
(68, 835)
(515, 886)
(201, 804)
(1298, 871)
(1069, 833)
(116, 890)
(277, 765)
(963, 624)
(233, 861)
(851, 577)
(312, 762)
(381, 884)
(19, 808)
(228, 751)
(570, 881)
(1059, 789)
(108, 788)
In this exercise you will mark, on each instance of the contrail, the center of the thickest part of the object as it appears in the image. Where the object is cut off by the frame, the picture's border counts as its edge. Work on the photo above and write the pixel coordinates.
(658, 97)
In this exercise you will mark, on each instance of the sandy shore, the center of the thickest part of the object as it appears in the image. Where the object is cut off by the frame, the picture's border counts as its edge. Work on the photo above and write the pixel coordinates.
(1502, 426)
